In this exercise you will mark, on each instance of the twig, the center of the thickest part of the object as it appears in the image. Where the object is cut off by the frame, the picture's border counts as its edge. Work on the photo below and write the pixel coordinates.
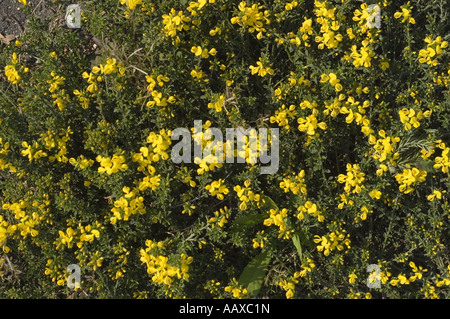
(9, 263)
(189, 201)
(134, 53)
(36, 6)
(132, 66)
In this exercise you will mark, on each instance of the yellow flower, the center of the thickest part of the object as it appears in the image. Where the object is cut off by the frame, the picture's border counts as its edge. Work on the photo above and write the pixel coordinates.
(418, 271)
(217, 103)
(290, 5)
(443, 162)
(333, 79)
(12, 74)
(410, 177)
(310, 124)
(220, 217)
(278, 218)
(260, 69)
(436, 194)
(289, 287)
(353, 179)
(364, 213)
(111, 165)
(215, 31)
(434, 49)
(335, 240)
(198, 51)
(352, 278)
(252, 17)
(405, 13)
(131, 3)
(375, 194)
(218, 189)
(175, 22)
(237, 290)
(150, 182)
(362, 57)
(384, 64)
(310, 209)
(338, 87)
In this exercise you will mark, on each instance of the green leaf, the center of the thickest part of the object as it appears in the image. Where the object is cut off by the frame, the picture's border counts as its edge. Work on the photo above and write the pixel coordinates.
(298, 246)
(268, 202)
(253, 274)
(249, 219)
(426, 165)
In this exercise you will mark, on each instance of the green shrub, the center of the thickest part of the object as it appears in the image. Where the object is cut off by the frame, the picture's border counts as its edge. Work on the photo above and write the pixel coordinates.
(87, 175)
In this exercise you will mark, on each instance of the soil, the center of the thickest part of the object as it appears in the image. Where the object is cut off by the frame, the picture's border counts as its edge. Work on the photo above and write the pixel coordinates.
(13, 20)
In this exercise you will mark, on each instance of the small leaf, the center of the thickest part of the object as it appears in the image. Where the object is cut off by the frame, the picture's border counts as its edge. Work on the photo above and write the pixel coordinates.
(268, 203)
(249, 219)
(298, 246)
(253, 274)
(426, 165)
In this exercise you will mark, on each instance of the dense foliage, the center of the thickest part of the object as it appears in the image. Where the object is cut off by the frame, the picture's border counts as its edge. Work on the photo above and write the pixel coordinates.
(363, 110)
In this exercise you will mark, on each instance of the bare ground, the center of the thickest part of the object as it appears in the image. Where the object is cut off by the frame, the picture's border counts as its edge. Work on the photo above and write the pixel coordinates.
(13, 20)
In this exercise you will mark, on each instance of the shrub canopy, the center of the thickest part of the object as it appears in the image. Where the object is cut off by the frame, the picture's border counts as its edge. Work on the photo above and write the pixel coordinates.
(358, 207)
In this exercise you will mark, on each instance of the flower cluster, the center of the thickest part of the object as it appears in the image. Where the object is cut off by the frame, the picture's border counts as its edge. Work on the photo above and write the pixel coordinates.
(405, 14)
(131, 4)
(334, 240)
(220, 218)
(236, 289)
(283, 115)
(443, 162)
(329, 26)
(410, 118)
(279, 218)
(434, 49)
(295, 184)
(252, 17)
(310, 209)
(10, 70)
(385, 146)
(409, 178)
(289, 286)
(175, 22)
(163, 273)
(353, 179)
(218, 189)
(260, 69)
(111, 165)
(88, 177)
(246, 195)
